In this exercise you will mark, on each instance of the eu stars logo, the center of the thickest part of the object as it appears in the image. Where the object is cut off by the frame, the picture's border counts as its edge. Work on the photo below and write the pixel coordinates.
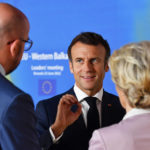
(47, 87)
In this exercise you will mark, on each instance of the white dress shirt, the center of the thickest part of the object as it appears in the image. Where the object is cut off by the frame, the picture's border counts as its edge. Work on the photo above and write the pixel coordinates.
(85, 107)
(2, 71)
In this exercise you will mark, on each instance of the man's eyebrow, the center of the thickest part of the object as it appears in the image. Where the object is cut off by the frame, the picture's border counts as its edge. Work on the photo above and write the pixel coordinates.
(78, 58)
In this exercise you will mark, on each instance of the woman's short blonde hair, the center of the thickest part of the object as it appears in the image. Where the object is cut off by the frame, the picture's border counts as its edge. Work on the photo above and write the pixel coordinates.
(130, 69)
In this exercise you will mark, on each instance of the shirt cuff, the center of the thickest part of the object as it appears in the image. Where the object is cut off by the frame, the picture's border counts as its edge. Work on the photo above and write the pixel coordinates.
(55, 140)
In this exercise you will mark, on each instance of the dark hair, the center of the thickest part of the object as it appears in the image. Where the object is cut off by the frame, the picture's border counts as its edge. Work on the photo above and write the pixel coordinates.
(90, 38)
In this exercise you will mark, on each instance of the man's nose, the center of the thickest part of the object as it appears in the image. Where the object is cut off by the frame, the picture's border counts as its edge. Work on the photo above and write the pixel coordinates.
(88, 66)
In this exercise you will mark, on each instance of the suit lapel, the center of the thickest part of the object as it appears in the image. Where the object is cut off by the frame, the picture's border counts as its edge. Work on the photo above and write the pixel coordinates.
(112, 112)
(106, 110)
(78, 126)
(80, 121)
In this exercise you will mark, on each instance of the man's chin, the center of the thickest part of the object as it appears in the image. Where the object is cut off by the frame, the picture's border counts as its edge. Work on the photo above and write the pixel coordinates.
(12, 69)
(89, 88)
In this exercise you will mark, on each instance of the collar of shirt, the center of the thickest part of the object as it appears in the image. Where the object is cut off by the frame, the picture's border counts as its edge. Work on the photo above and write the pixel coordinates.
(136, 111)
(85, 107)
(81, 95)
(2, 71)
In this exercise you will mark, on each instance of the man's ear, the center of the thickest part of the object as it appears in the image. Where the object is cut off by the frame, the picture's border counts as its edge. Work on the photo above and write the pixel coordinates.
(15, 48)
(106, 67)
(71, 66)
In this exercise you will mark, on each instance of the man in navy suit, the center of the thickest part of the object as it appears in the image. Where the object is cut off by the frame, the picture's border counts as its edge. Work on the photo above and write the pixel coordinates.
(60, 124)
(17, 118)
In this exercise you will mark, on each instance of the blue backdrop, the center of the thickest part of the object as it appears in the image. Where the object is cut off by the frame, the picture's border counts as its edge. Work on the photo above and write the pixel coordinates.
(44, 70)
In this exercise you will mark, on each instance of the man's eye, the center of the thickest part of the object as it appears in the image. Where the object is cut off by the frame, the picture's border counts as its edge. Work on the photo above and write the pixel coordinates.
(79, 60)
(94, 60)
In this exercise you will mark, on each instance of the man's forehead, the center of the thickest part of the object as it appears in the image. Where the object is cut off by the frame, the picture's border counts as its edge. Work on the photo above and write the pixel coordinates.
(88, 57)
(88, 54)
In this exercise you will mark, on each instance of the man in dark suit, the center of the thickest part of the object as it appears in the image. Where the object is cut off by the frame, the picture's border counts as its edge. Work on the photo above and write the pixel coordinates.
(67, 121)
(17, 118)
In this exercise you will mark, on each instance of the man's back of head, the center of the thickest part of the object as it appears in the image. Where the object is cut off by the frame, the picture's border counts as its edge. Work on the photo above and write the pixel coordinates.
(14, 26)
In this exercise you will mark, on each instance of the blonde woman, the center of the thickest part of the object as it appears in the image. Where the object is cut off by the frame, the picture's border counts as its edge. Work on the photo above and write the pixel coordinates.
(130, 69)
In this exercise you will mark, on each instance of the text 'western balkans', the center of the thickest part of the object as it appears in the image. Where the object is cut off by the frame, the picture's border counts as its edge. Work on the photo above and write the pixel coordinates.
(44, 56)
